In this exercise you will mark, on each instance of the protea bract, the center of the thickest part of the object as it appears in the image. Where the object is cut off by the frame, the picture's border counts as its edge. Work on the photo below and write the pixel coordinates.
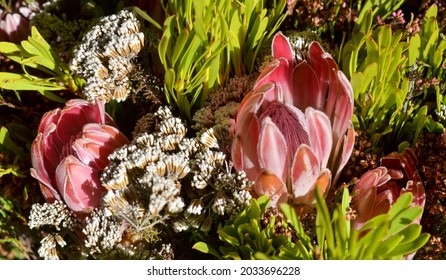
(293, 131)
(71, 148)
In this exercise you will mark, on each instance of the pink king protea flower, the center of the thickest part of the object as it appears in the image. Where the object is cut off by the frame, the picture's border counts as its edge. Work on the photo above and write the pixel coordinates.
(71, 148)
(293, 130)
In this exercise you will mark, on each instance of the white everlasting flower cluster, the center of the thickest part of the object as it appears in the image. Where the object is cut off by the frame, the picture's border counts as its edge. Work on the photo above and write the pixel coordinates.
(164, 175)
(104, 57)
(441, 114)
(48, 244)
(57, 219)
(55, 215)
(102, 232)
(144, 177)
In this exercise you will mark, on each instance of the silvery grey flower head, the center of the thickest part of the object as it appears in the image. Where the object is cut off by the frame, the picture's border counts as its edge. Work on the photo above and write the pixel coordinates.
(104, 57)
(173, 177)
(55, 215)
(48, 246)
(102, 232)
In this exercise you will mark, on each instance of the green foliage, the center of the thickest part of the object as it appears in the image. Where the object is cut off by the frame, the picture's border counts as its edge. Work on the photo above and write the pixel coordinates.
(388, 236)
(250, 25)
(206, 41)
(378, 62)
(9, 239)
(244, 237)
(428, 58)
(6, 144)
(377, 7)
(36, 54)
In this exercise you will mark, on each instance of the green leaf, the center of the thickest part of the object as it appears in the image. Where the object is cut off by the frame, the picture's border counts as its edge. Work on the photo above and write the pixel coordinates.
(228, 234)
(11, 169)
(205, 248)
(15, 81)
(414, 49)
(36, 61)
(145, 16)
(30, 48)
(293, 219)
(403, 202)
(39, 39)
(180, 44)
(405, 218)
(7, 143)
(389, 244)
(8, 48)
(411, 247)
(375, 230)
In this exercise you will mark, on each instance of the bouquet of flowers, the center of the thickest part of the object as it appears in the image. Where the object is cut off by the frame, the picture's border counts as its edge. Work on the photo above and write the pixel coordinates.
(168, 129)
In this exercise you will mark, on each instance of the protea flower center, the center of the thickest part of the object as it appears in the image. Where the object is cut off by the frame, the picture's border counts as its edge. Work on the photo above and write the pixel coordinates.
(291, 122)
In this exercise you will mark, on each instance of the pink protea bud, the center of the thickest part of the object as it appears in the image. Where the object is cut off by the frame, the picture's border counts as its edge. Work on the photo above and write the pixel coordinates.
(379, 188)
(293, 131)
(71, 148)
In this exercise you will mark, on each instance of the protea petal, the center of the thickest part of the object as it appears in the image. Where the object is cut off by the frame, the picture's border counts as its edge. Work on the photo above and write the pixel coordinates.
(237, 153)
(291, 123)
(348, 144)
(49, 192)
(50, 117)
(363, 203)
(44, 160)
(271, 148)
(318, 60)
(249, 106)
(319, 131)
(244, 151)
(286, 87)
(323, 183)
(333, 93)
(383, 201)
(96, 143)
(304, 172)
(281, 47)
(343, 109)
(76, 114)
(38, 162)
(78, 185)
(306, 83)
(267, 183)
(279, 71)
(104, 134)
(371, 178)
(418, 192)
(71, 121)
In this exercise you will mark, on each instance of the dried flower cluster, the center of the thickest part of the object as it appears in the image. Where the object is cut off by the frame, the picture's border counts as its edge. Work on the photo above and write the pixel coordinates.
(164, 175)
(57, 218)
(104, 58)
(56, 215)
(102, 232)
